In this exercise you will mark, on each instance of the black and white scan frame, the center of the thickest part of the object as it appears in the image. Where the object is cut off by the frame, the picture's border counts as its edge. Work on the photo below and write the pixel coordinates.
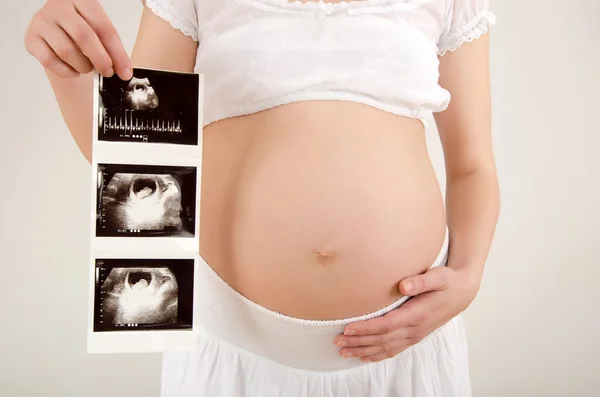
(143, 294)
(135, 200)
(152, 107)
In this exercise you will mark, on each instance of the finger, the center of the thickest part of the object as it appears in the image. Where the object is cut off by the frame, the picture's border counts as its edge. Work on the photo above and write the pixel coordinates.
(93, 13)
(397, 318)
(65, 49)
(38, 48)
(400, 341)
(359, 352)
(87, 40)
(369, 340)
(354, 341)
(433, 280)
(384, 354)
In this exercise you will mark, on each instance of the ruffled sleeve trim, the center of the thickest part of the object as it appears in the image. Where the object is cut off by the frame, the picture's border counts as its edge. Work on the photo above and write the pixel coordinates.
(478, 26)
(169, 13)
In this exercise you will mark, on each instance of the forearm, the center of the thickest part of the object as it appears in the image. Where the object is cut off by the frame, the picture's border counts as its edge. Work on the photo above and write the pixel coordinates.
(473, 207)
(74, 98)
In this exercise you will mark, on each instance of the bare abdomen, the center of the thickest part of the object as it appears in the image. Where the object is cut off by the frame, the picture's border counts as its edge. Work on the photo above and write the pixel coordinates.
(319, 216)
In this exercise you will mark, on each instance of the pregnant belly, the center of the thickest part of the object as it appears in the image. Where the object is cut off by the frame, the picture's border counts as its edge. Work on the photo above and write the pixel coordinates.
(319, 217)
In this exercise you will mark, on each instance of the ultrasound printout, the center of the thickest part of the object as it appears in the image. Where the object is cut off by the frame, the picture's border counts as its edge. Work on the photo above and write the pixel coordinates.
(145, 209)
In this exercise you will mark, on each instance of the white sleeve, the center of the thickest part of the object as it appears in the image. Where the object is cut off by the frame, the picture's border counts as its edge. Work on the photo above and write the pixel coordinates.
(466, 20)
(181, 14)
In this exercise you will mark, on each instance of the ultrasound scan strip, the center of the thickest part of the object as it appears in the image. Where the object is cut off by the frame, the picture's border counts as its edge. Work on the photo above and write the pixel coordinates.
(152, 107)
(146, 201)
(143, 294)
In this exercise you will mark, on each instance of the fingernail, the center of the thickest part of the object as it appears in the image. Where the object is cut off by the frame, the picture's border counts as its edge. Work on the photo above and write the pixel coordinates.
(349, 332)
(347, 355)
(110, 72)
(342, 343)
(127, 73)
(408, 287)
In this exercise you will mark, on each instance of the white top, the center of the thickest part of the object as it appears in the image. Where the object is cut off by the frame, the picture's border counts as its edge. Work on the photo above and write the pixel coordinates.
(257, 54)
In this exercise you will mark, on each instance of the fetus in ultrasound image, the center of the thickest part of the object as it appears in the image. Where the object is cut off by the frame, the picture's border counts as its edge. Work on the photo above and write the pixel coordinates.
(138, 294)
(143, 201)
(148, 200)
(140, 95)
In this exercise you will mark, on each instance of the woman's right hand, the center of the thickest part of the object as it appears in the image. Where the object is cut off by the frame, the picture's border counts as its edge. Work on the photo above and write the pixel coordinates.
(74, 37)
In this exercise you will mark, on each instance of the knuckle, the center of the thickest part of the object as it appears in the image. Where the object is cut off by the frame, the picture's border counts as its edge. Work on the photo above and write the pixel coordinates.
(106, 31)
(419, 318)
(39, 16)
(386, 328)
(27, 39)
(47, 60)
(53, 4)
(51, 8)
(80, 35)
(64, 52)
(387, 351)
(382, 340)
(37, 23)
(416, 336)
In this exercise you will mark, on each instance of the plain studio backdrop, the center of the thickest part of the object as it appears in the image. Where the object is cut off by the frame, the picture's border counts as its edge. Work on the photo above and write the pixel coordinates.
(534, 328)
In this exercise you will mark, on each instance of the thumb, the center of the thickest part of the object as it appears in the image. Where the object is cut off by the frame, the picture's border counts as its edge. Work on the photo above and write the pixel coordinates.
(432, 280)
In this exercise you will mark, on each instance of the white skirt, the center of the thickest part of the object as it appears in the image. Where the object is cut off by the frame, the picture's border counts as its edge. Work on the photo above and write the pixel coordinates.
(247, 350)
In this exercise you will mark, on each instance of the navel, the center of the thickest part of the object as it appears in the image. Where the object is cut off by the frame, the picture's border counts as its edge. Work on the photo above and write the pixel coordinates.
(323, 256)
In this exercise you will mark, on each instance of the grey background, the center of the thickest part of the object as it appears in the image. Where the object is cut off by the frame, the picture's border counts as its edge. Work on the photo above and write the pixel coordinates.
(533, 330)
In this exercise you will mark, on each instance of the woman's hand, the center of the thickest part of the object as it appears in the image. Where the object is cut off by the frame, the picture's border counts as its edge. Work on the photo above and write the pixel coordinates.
(440, 294)
(73, 37)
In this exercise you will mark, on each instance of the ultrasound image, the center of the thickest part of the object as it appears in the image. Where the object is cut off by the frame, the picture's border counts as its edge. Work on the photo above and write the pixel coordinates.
(145, 201)
(143, 294)
(140, 95)
(154, 106)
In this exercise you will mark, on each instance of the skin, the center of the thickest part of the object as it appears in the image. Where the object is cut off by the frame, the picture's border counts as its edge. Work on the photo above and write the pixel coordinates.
(473, 205)
(472, 200)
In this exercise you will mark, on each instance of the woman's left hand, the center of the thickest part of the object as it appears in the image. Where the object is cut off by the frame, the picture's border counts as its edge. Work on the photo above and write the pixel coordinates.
(439, 295)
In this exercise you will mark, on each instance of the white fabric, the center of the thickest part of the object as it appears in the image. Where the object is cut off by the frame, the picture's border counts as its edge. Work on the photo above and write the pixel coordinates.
(181, 14)
(257, 54)
(246, 350)
(436, 367)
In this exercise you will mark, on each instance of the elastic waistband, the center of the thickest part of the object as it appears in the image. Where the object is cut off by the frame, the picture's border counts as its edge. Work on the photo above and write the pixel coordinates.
(229, 316)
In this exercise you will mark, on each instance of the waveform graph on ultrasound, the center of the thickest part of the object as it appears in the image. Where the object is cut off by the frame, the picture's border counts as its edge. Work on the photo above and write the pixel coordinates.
(154, 106)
